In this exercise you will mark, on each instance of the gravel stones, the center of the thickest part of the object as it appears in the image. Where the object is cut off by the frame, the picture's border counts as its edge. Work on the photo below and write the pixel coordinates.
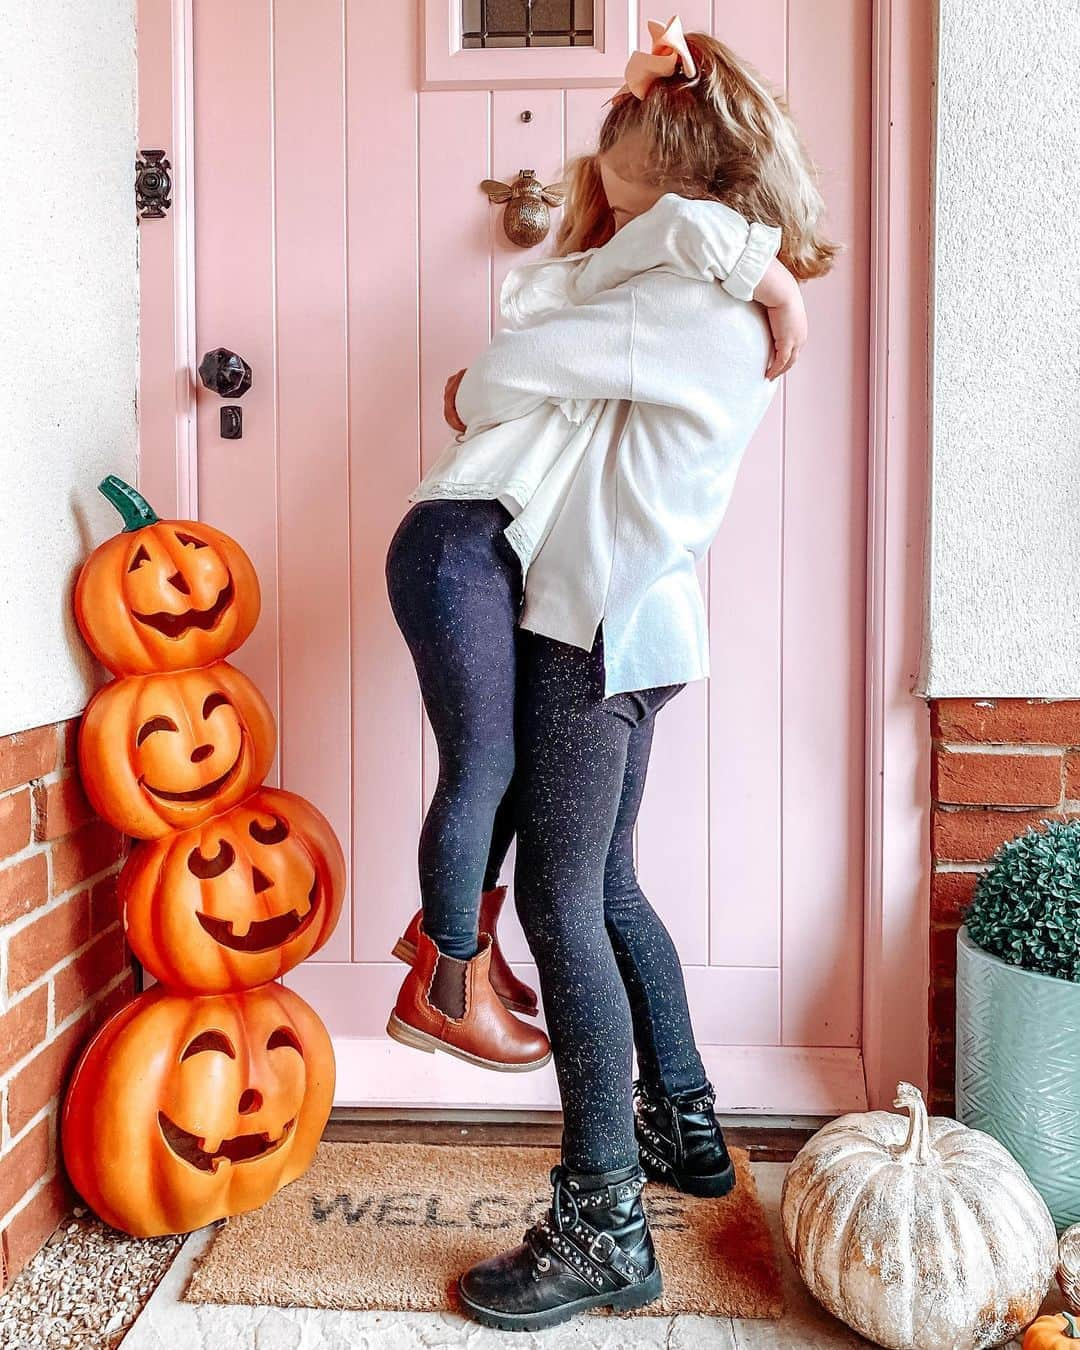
(84, 1289)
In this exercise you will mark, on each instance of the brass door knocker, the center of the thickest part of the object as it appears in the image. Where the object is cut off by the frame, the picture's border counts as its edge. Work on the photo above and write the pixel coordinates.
(526, 220)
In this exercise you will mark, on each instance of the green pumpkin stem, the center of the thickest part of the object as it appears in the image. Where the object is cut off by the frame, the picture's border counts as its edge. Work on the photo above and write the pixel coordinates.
(1071, 1328)
(132, 505)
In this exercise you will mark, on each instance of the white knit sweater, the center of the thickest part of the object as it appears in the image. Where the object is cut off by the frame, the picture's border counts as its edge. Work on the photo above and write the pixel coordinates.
(609, 416)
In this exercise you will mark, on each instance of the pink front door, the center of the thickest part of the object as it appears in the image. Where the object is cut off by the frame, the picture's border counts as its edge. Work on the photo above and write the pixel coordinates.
(343, 247)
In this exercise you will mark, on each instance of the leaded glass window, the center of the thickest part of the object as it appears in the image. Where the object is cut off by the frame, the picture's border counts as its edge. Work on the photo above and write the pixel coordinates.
(527, 23)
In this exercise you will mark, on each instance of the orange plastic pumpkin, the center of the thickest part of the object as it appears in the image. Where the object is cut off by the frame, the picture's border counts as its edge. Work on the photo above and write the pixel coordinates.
(167, 752)
(1052, 1333)
(184, 1110)
(237, 901)
(164, 594)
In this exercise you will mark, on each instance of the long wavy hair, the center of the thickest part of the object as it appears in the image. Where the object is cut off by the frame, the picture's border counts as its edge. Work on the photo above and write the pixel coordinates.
(723, 135)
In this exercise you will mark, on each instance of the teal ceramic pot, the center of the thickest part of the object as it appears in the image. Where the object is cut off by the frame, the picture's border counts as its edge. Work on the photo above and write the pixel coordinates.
(1018, 1069)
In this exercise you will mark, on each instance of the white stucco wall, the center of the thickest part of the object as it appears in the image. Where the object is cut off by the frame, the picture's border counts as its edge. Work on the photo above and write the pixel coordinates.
(1004, 597)
(68, 329)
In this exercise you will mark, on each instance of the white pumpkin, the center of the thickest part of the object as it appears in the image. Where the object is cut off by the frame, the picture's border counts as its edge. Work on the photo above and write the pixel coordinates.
(920, 1234)
(1068, 1270)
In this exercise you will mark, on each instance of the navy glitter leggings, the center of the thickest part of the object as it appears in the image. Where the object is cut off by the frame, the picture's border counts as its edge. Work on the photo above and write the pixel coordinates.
(609, 972)
(455, 589)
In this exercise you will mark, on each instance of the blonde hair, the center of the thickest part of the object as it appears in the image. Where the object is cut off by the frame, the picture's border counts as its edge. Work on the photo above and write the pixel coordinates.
(722, 135)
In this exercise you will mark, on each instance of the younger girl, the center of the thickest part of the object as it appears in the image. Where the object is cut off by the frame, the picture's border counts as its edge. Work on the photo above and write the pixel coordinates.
(604, 429)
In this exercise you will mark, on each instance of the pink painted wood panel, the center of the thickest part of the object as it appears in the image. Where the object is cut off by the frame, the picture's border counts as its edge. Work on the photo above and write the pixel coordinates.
(235, 297)
(384, 427)
(166, 390)
(827, 427)
(354, 255)
(730, 1005)
(538, 145)
(746, 640)
(585, 113)
(456, 226)
(757, 1080)
(314, 563)
(745, 729)
(757, 30)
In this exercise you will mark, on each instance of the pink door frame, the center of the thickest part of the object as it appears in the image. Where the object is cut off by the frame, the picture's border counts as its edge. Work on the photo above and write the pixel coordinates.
(895, 957)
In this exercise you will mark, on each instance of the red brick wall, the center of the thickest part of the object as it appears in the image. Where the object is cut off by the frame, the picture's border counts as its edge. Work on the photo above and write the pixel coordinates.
(999, 765)
(64, 967)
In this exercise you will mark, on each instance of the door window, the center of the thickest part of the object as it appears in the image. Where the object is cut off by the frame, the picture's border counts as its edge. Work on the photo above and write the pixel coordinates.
(526, 23)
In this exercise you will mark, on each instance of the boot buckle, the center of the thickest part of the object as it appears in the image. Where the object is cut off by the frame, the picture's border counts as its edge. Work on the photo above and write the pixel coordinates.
(601, 1247)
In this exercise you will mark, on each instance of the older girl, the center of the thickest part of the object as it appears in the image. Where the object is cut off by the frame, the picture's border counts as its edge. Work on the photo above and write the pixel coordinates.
(605, 426)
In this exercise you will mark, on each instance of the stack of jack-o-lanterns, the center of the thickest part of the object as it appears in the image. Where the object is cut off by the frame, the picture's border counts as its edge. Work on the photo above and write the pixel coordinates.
(204, 1096)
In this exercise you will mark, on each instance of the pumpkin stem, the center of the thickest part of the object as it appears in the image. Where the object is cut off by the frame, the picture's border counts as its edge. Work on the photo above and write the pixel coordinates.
(1071, 1329)
(916, 1148)
(132, 505)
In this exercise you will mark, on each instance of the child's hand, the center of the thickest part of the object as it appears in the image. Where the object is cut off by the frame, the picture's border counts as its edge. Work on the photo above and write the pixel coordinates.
(779, 292)
(450, 411)
(788, 324)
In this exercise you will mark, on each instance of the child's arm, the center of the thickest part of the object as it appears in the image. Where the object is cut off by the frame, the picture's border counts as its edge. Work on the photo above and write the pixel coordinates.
(580, 353)
(779, 292)
(714, 240)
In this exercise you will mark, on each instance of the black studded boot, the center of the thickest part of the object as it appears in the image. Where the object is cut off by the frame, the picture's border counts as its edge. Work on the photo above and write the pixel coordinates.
(591, 1250)
(680, 1140)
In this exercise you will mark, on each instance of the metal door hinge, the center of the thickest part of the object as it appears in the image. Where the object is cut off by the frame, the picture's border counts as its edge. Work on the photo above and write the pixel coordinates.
(153, 184)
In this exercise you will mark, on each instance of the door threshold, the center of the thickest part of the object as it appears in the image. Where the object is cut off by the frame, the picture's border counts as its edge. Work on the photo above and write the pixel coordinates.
(768, 1139)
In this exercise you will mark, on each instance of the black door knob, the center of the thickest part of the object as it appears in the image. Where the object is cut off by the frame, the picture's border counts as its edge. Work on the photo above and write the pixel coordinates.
(225, 373)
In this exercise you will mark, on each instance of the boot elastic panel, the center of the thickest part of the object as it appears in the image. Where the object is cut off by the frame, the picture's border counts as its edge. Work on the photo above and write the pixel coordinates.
(447, 991)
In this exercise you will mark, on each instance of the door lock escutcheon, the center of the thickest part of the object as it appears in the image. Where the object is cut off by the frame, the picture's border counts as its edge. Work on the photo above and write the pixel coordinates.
(232, 422)
(227, 374)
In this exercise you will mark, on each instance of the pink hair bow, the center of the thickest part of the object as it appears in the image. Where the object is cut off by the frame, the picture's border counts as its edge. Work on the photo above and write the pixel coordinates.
(669, 50)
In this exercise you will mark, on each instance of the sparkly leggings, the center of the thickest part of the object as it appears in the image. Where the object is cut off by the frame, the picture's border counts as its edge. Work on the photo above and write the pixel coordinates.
(455, 589)
(609, 973)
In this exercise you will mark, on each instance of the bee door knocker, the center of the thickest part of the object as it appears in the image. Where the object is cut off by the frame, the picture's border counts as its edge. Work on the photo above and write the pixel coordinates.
(526, 220)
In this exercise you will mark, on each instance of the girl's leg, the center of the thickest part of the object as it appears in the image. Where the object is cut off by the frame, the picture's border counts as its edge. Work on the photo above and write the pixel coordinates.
(455, 589)
(679, 1136)
(572, 752)
(668, 1058)
(594, 1246)
(502, 836)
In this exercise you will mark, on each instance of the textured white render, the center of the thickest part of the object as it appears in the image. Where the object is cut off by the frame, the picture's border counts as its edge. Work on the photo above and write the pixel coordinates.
(1004, 609)
(68, 329)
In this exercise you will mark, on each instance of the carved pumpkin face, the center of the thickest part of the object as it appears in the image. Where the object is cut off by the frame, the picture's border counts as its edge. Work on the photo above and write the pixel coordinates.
(237, 901)
(167, 752)
(184, 1110)
(167, 595)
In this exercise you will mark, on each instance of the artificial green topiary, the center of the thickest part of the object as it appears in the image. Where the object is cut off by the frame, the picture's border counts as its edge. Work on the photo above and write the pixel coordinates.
(1027, 906)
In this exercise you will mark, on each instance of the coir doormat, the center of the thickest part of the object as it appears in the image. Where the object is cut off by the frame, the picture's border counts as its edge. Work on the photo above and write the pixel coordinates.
(391, 1226)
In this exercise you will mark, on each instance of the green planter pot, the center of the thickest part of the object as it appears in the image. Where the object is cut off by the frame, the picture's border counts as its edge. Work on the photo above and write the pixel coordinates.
(1018, 1069)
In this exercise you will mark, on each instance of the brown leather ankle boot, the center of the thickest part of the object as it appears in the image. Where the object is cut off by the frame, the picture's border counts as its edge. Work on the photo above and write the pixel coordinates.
(514, 993)
(450, 1005)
